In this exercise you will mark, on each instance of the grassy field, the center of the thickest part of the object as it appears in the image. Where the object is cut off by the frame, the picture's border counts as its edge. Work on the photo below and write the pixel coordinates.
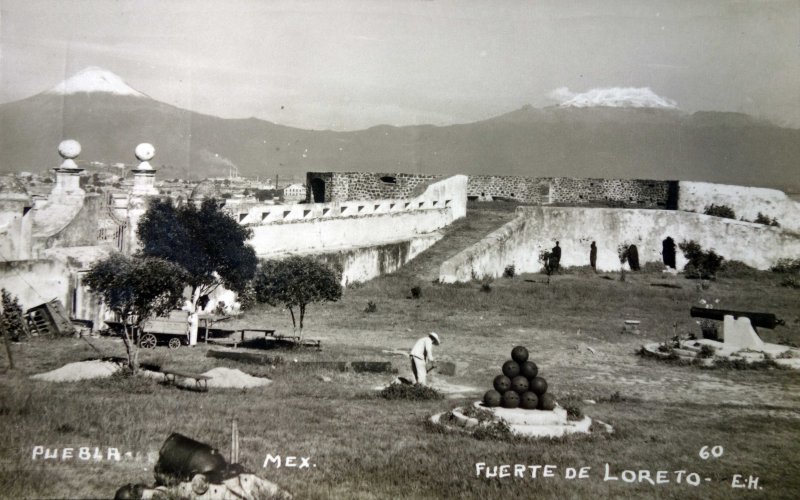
(364, 447)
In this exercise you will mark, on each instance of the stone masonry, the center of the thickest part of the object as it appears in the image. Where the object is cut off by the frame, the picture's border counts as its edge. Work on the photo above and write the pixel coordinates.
(351, 186)
(638, 193)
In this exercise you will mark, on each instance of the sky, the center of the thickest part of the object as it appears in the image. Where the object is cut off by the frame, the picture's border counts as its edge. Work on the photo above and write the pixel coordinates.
(353, 64)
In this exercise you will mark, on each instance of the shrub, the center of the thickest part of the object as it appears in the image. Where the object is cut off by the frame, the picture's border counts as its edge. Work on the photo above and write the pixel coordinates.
(371, 307)
(720, 211)
(498, 431)
(480, 414)
(616, 397)
(12, 321)
(415, 392)
(702, 264)
(742, 364)
(706, 351)
(737, 269)
(786, 266)
(790, 282)
(486, 286)
(416, 292)
(573, 406)
(548, 263)
(509, 271)
(763, 219)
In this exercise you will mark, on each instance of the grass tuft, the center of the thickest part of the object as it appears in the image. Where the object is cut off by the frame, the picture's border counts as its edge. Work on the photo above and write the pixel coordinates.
(416, 392)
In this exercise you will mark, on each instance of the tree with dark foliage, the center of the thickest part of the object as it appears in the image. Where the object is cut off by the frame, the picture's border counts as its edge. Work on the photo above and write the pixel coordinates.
(296, 282)
(207, 242)
(12, 324)
(137, 289)
(702, 264)
(548, 263)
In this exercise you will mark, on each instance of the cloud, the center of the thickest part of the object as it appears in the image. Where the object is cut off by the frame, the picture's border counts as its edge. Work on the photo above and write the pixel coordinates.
(614, 97)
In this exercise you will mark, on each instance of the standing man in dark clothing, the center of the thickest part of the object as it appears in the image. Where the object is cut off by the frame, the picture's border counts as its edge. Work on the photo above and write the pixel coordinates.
(593, 256)
(555, 258)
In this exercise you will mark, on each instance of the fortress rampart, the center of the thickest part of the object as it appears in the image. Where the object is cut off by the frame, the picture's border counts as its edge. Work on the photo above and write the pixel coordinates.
(535, 229)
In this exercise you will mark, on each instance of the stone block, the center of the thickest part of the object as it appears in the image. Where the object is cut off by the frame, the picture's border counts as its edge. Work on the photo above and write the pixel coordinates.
(372, 367)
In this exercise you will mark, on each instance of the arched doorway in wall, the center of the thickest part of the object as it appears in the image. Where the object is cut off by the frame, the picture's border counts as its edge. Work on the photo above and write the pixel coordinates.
(668, 252)
(318, 190)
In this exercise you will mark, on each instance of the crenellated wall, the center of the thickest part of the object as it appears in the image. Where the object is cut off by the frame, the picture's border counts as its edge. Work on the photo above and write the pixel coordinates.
(538, 228)
(331, 227)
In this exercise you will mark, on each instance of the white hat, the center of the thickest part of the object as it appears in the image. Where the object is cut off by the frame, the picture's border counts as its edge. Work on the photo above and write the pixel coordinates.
(435, 337)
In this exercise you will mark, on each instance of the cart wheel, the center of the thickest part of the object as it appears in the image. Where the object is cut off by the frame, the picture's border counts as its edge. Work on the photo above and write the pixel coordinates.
(174, 343)
(148, 341)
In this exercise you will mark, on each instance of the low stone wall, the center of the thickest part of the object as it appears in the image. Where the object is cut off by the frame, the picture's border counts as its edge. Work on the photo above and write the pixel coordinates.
(363, 186)
(639, 193)
(538, 228)
(524, 189)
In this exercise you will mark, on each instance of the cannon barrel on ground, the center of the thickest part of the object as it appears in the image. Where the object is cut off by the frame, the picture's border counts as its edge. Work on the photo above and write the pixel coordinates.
(757, 319)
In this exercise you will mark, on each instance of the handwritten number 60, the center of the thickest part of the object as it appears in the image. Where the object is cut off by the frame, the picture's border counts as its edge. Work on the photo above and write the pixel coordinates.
(715, 452)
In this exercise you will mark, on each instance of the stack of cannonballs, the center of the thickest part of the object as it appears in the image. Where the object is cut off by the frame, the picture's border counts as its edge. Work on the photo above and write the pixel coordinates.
(519, 386)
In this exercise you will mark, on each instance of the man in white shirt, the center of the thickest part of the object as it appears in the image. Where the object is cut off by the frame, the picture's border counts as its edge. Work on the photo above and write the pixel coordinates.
(421, 353)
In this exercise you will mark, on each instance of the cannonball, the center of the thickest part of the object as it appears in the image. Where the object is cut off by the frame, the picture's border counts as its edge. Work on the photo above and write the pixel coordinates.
(519, 354)
(538, 385)
(510, 369)
(492, 398)
(547, 402)
(510, 399)
(519, 384)
(529, 370)
(529, 400)
(502, 383)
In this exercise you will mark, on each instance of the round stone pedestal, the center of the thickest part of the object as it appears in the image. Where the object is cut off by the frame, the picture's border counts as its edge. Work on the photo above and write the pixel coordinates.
(534, 423)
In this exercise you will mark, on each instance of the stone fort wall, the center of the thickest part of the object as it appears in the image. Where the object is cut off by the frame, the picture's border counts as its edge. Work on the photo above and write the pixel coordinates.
(352, 186)
(640, 193)
(520, 241)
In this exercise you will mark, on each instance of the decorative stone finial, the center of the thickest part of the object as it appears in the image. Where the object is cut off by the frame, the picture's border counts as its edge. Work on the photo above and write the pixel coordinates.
(69, 150)
(144, 153)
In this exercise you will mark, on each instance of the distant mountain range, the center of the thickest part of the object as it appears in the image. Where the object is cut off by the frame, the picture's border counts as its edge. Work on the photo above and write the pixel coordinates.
(110, 119)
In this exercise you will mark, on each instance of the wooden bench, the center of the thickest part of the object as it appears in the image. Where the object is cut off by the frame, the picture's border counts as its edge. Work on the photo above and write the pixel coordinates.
(200, 381)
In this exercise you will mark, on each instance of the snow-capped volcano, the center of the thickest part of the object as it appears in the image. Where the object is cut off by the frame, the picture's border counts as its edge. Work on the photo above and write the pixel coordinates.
(613, 97)
(94, 79)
